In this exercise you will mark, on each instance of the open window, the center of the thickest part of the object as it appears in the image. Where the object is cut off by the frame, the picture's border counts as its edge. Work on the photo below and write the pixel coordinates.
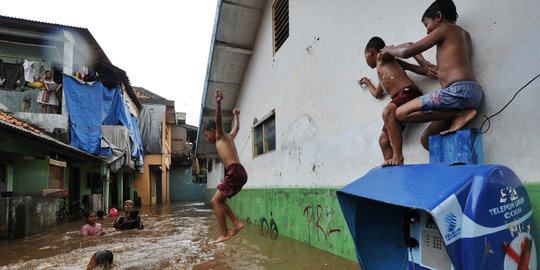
(56, 174)
(264, 135)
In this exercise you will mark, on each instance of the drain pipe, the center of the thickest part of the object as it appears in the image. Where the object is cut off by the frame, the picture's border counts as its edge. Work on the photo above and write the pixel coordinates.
(106, 190)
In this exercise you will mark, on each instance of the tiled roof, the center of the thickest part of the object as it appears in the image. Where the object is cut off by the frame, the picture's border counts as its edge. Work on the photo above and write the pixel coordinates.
(142, 95)
(9, 122)
(149, 97)
(14, 121)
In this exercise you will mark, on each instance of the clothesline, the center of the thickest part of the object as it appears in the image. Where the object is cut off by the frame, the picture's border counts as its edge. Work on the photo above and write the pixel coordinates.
(21, 57)
(27, 44)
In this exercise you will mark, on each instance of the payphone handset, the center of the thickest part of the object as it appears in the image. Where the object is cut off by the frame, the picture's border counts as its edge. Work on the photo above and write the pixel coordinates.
(425, 244)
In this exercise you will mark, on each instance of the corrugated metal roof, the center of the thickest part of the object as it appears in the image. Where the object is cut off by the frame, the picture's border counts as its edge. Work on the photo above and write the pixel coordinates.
(45, 27)
(25, 129)
(235, 29)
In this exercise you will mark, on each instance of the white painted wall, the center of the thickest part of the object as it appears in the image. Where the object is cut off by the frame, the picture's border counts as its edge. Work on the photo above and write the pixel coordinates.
(327, 127)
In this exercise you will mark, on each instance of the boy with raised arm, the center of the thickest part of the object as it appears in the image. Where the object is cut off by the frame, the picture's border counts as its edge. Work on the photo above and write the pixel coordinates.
(394, 81)
(235, 176)
(461, 96)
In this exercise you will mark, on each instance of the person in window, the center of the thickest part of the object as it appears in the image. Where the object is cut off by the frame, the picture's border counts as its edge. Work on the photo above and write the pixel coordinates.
(48, 94)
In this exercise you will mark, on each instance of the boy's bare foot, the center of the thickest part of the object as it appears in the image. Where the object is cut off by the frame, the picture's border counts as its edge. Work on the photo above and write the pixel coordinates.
(393, 161)
(236, 228)
(223, 238)
(460, 120)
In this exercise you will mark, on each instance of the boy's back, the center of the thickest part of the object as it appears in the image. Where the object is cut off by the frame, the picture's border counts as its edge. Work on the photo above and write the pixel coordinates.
(454, 53)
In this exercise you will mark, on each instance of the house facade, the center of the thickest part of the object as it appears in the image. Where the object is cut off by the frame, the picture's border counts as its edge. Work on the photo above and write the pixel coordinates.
(187, 180)
(54, 159)
(307, 128)
(155, 122)
(34, 170)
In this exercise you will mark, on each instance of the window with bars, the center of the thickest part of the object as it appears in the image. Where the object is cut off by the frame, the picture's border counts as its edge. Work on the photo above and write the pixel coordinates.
(280, 16)
(264, 135)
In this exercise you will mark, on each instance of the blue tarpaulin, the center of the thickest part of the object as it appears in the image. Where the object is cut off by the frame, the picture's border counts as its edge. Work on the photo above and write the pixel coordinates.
(93, 105)
(482, 212)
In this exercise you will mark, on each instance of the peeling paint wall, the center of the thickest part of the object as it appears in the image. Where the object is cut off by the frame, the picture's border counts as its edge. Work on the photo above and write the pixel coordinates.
(327, 127)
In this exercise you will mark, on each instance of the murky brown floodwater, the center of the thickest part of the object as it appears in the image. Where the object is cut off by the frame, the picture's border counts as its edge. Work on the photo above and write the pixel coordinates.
(177, 236)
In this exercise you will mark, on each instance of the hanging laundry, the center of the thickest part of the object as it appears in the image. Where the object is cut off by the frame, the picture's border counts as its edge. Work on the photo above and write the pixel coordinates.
(39, 69)
(28, 70)
(14, 75)
(49, 95)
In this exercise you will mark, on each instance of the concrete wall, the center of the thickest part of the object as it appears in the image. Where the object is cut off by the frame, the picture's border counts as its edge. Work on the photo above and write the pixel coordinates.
(31, 176)
(25, 216)
(182, 187)
(16, 101)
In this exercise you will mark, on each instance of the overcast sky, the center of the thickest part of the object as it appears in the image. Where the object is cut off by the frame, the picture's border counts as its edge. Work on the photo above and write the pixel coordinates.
(163, 45)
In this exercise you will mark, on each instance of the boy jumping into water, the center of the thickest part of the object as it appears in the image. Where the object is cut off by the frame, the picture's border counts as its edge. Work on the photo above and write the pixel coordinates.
(393, 80)
(235, 176)
(461, 96)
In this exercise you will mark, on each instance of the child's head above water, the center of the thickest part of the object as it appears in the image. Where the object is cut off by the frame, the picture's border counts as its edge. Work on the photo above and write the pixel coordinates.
(445, 7)
(101, 258)
(91, 217)
(133, 213)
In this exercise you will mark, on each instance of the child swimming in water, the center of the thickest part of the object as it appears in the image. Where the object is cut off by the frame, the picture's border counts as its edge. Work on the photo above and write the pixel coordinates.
(91, 228)
(101, 258)
(133, 221)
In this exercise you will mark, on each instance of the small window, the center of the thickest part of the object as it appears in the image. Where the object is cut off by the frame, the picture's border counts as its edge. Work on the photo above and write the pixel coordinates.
(264, 135)
(56, 174)
(56, 177)
(280, 16)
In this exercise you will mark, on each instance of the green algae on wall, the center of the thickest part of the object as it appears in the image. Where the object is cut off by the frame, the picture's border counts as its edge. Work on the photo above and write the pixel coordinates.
(309, 215)
(534, 196)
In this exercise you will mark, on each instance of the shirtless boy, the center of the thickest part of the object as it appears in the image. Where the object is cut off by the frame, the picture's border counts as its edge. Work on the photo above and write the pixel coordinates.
(394, 81)
(461, 96)
(235, 176)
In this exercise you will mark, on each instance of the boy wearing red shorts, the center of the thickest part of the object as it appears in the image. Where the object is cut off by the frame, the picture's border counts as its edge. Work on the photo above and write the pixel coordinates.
(394, 81)
(235, 176)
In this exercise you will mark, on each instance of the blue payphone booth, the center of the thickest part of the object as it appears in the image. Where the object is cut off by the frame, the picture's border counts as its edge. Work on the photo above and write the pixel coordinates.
(439, 216)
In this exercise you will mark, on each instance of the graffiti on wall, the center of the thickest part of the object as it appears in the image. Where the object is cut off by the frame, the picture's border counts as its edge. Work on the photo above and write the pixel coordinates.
(268, 228)
(313, 216)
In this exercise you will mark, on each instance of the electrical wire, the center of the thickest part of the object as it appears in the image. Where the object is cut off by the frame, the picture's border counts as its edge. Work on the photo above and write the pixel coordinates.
(508, 103)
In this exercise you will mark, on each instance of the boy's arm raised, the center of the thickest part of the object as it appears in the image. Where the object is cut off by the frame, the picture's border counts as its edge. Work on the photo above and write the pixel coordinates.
(236, 113)
(219, 127)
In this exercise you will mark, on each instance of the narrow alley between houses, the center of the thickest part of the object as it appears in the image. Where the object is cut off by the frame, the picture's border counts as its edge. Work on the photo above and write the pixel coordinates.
(176, 236)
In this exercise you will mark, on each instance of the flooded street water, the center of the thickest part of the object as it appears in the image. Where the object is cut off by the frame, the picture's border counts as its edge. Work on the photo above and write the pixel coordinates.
(177, 236)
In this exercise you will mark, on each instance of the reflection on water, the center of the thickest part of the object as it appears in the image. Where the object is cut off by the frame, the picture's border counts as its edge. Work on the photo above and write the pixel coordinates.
(177, 236)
